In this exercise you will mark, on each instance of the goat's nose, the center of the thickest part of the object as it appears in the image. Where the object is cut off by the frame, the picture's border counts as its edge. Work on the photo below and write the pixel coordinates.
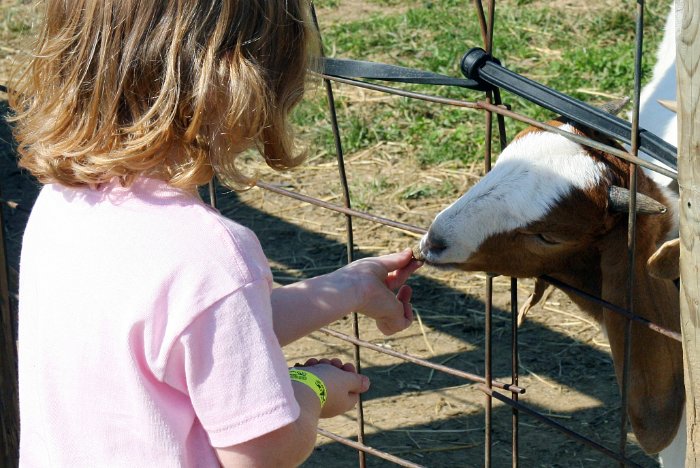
(434, 244)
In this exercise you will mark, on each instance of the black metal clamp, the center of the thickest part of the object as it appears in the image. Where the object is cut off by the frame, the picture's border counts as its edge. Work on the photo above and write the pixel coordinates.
(479, 66)
(344, 68)
(484, 73)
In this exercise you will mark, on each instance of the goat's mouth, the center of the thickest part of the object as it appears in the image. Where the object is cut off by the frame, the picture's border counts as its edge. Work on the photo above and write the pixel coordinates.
(440, 265)
(432, 257)
(436, 263)
(417, 253)
(443, 266)
(426, 259)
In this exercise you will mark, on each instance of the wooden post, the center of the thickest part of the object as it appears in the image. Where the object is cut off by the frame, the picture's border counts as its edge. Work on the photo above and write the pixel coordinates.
(688, 78)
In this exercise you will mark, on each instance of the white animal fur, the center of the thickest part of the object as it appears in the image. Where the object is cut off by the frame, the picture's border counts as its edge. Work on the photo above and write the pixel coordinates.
(673, 456)
(525, 204)
(514, 191)
(664, 123)
(653, 116)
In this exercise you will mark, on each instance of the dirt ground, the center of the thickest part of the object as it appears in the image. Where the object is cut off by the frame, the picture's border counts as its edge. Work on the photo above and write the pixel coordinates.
(427, 417)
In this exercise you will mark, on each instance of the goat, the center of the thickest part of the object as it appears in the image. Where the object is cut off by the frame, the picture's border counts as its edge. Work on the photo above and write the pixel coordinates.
(545, 209)
(658, 114)
(660, 118)
(654, 114)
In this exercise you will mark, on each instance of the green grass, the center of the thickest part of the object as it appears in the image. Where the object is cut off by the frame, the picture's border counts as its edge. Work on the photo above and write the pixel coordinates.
(582, 53)
(18, 18)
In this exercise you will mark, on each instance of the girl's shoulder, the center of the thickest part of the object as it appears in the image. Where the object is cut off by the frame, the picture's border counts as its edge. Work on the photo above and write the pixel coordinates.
(163, 225)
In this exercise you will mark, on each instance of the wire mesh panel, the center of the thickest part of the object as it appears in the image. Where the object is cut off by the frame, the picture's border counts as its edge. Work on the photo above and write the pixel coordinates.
(495, 390)
(503, 414)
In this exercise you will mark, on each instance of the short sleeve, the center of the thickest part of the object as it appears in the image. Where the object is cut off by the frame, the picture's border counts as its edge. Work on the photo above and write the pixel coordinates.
(232, 367)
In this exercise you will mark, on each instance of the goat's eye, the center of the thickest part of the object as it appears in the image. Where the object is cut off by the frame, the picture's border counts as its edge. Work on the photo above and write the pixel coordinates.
(548, 239)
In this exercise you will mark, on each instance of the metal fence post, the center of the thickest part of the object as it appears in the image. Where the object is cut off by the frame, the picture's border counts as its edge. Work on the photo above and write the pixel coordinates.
(9, 407)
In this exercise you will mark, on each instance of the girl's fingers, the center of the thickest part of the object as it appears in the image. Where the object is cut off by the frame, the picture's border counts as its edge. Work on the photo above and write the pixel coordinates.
(360, 385)
(404, 296)
(398, 277)
(337, 363)
(396, 261)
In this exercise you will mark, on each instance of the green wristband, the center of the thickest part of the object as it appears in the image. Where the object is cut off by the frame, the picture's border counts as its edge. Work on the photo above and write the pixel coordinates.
(312, 381)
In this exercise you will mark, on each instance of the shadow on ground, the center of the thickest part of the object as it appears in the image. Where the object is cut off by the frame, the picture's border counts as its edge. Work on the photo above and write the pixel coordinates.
(447, 441)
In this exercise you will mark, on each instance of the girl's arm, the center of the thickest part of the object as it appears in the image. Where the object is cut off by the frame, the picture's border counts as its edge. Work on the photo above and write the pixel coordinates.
(365, 286)
(290, 445)
(287, 446)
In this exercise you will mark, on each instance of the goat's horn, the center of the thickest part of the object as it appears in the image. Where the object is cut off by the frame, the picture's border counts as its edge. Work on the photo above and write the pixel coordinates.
(614, 107)
(619, 200)
(670, 105)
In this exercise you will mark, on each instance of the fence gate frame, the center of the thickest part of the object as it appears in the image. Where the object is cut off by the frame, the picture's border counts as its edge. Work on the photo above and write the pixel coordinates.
(492, 106)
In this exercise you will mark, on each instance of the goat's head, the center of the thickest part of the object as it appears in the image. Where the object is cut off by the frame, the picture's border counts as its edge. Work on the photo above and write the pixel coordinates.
(546, 209)
(547, 199)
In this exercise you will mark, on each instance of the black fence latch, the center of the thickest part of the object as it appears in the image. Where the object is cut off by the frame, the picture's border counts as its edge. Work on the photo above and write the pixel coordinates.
(479, 66)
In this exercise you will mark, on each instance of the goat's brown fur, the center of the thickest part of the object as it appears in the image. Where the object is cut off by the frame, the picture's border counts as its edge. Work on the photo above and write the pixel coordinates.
(590, 254)
(665, 263)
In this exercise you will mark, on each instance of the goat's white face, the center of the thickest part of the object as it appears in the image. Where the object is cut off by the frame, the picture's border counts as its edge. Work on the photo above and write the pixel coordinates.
(532, 176)
(544, 209)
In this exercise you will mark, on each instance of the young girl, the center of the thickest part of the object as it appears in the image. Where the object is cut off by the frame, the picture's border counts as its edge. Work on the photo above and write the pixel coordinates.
(149, 331)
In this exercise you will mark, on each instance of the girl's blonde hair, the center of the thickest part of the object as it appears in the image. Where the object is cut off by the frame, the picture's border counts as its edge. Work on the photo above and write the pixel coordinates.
(172, 89)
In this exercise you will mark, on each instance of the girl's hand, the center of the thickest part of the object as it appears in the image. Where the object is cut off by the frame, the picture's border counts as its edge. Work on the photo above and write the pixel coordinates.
(343, 384)
(380, 289)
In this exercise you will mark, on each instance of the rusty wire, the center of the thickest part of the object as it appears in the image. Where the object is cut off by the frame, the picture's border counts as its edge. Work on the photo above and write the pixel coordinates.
(366, 449)
(631, 236)
(514, 389)
(506, 112)
(362, 460)
(417, 230)
(492, 105)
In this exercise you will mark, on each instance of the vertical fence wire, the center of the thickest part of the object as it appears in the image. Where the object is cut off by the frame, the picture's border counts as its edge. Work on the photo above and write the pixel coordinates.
(490, 107)
(631, 230)
(487, 36)
(503, 141)
(515, 415)
(515, 418)
(486, 22)
(487, 28)
(362, 459)
(350, 256)
(9, 403)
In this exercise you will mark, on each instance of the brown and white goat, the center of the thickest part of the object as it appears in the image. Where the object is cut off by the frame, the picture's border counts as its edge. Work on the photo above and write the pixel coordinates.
(544, 209)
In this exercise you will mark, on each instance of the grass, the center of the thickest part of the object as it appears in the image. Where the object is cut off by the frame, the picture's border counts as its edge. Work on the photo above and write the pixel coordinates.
(17, 18)
(584, 51)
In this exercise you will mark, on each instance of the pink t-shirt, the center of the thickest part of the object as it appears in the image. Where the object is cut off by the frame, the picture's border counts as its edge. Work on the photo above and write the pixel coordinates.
(145, 331)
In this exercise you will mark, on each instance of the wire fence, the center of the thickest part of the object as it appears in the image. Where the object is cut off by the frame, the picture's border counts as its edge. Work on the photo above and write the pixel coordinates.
(509, 392)
(506, 392)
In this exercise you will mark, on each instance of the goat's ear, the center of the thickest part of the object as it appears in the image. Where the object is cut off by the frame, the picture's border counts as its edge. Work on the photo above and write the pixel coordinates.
(539, 294)
(665, 262)
(614, 107)
(619, 199)
(670, 105)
